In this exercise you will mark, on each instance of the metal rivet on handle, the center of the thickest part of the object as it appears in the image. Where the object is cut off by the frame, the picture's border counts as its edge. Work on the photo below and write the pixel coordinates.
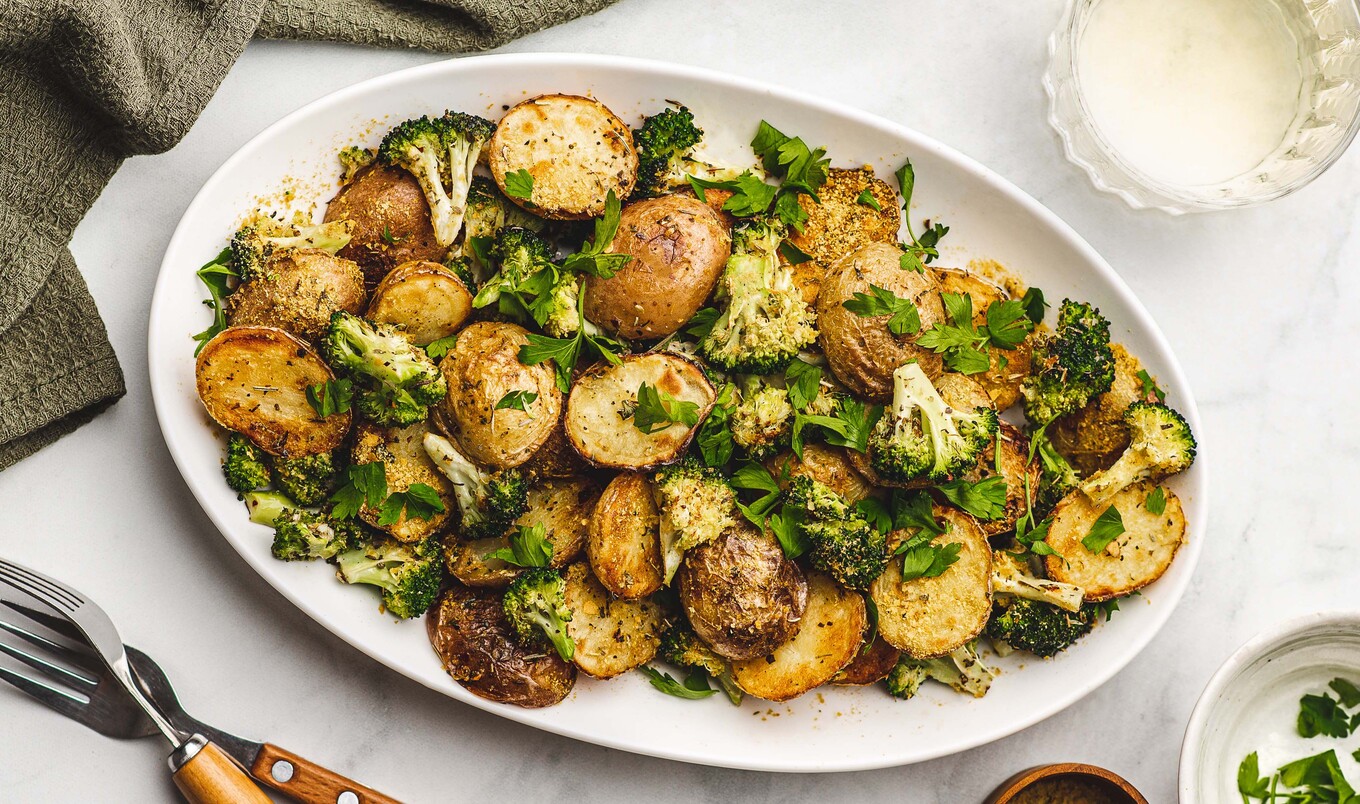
(347, 798)
(282, 770)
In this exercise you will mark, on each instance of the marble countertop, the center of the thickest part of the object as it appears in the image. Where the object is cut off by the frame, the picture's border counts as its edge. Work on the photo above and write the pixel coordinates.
(106, 510)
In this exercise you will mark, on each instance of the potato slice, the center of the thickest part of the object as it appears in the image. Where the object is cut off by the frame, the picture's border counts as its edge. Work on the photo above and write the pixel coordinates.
(612, 636)
(624, 544)
(1133, 560)
(254, 380)
(840, 223)
(599, 418)
(468, 631)
(929, 617)
(828, 637)
(830, 466)
(1002, 382)
(424, 298)
(481, 368)
(575, 149)
(563, 506)
(869, 666)
(402, 453)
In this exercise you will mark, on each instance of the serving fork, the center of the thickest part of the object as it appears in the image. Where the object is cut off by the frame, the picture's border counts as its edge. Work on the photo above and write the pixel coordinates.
(207, 762)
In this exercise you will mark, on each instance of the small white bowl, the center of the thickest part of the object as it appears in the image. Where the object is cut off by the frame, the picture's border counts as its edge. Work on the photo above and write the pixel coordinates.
(1256, 690)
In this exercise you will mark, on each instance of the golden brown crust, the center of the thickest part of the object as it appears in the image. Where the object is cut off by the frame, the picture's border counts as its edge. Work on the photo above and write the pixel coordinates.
(840, 224)
(391, 220)
(679, 247)
(831, 466)
(402, 453)
(424, 298)
(869, 666)
(611, 636)
(1133, 560)
(563, 506)
(298, 292)
(254, 380)
(624, 543)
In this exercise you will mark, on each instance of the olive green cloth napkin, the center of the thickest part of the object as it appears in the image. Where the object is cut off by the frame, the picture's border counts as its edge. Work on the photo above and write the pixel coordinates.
(84, 84)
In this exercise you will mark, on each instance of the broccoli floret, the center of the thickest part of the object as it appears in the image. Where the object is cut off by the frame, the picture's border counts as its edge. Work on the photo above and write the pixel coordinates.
(1160, 444)
(963, 670)
(1057, 477)
(246, 467)
(762, 421)
(535, 607)
(666, 146)
(441, 153)
(922, 437)
(397, 380)
(354, 159)
(843, 543)
(817, 499)
(1010, 576)
(557, 310)
(764, 322)
(681, 647)
(488, 211)
(461, 267)
(1070, 366)
(488, 502)
(408, 574)
(521, 254)
(266, 507)
(308, 480)
(1038, 627)
(697, 506)
(301, 535)
(256, 243)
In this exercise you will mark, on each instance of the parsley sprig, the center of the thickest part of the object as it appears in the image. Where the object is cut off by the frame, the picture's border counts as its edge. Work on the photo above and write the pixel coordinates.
(529, 547)
(921, 556)
(965, 345)
(366, 485)
(1315, 779)
(905, 320)
(921, 250)
(657, 410)
(800, 169)
(330, 397)
(216, 275)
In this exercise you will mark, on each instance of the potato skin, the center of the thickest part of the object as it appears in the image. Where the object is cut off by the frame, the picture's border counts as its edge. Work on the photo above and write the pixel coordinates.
(1135, 559)
(1094, 437)
(254, 380)
(624, 543)
(299, 291)
(1002, 383)
(742, 596)
(481, 368)
(862, 352)
(679, 247)
(402, 452)
(575, 148)
(382, 200)
(468, 630)
(831, 466)
(564, 507)
(840, 224)
(612, 636)
(422, 297)
(869, 666)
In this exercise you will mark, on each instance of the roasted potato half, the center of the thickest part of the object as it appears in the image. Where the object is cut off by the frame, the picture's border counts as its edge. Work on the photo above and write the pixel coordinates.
(391, 221)
(254, 380)
(599, 420)
(863, 352)
(679, 248)
(556, 458)
(870, 665)
(828, 465)
(481, 368)
(563, 507)
(612, 636)
(401, 451)
(1133, 560)
(425, 299)
(1001, 381)
(1094, 437)
(929, 617)
(298, 292)
(841, 223)
(828, 637)
(468, 630)
(624, 544)
(742, 596)
(575, 149)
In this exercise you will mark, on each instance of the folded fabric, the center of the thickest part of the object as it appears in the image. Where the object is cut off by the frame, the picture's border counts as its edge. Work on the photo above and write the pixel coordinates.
(84, 84)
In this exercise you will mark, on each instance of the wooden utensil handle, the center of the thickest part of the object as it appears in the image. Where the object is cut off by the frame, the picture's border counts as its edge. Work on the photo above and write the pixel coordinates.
(308, 782)
(210, 777)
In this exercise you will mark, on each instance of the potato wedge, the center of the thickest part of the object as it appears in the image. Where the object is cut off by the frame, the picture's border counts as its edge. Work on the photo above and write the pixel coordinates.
(1001, 381)
(869, 666)
(575, 149)
(1133, 560)
(298, 292)
(1094, 437)
(391, 221)
(742, 596)
(624, 543)
(424, 298)
(828, 465)
(678, 248)
(481, 368)
(827, 639)
(599, 419)
(612, 636)
(841, 224)
(929, 617)
(401, 451)
(863, 352)
(468, 631)
(254, 380)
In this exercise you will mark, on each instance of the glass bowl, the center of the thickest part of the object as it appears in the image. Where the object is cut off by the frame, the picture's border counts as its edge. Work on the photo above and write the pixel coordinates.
(1329, 51)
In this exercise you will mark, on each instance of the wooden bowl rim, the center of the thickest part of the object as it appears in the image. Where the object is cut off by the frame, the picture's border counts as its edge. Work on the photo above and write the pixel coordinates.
(1009, 788)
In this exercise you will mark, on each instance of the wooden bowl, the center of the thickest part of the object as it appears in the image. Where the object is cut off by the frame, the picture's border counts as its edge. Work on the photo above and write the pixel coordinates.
(1114, 786)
